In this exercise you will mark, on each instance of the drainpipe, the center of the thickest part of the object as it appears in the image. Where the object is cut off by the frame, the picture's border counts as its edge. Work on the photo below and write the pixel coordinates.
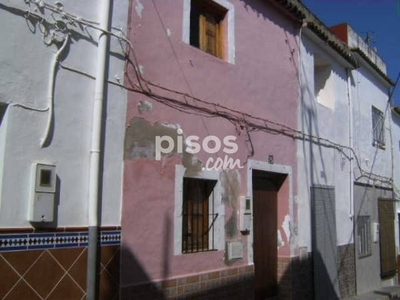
(351, 204)
(50, 93)
(93, 205)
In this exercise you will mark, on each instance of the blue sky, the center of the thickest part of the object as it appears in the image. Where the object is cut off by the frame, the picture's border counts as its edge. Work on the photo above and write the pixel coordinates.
(381, 18)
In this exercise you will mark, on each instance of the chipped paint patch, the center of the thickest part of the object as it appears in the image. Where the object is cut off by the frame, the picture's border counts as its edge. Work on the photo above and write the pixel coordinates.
(230, 180)
(140, 139)
(230, 196)
(139, 8)
(286, 227)
(169, 32)
(141, 70)
(231, 228)
(281, 243)
(144, 106)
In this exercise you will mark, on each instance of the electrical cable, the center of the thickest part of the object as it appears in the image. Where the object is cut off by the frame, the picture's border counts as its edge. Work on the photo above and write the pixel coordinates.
(218, 110)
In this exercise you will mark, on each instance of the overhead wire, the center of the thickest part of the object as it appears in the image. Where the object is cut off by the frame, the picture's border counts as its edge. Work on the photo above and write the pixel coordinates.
(143, 85)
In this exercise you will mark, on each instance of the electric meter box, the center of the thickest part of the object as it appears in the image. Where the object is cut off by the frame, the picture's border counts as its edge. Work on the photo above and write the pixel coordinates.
(43, 193)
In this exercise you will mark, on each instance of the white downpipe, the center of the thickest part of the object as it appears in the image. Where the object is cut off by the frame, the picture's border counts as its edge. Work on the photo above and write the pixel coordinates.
(97, 115)
(93, 205)
(351, 204)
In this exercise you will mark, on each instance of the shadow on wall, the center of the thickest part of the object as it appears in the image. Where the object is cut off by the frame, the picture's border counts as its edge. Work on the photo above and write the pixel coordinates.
(295, 282)
(295, 279)
(271, 12)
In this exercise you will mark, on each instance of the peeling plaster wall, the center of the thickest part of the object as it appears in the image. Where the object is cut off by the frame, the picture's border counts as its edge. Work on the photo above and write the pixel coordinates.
(285, 225)
(25, 61)
(262, 82)
(230, 180)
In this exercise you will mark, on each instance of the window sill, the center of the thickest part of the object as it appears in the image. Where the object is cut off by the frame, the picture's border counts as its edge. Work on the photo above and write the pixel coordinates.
(204, 251)
(224, 60)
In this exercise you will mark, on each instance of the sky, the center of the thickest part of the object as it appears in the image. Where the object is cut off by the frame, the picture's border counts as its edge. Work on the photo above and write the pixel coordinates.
(379, 18)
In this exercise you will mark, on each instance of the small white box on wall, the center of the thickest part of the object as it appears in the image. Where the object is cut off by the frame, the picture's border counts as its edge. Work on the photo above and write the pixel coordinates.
(43, 193)
(375, 232)
(245, 215)
(234, 250)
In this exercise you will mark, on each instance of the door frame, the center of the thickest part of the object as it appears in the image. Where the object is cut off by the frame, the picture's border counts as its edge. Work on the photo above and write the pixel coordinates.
(274, 168)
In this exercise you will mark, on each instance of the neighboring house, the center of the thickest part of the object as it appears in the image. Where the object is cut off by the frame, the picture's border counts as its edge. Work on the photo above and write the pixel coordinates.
(395, 129)
(211, 70)
(49, 56)
(347, 168)
(373, 166)
(324, 224)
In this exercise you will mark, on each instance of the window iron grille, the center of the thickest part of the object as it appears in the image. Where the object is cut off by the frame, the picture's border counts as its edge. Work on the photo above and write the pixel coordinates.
(198, 216)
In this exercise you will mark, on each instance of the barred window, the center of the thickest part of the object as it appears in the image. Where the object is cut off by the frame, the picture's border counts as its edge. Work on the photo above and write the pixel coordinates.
(198, 215)
(378, 127)
(364, 236)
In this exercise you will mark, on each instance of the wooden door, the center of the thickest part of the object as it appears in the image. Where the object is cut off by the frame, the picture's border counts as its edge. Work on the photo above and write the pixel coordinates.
(265, 244)
(387, 238)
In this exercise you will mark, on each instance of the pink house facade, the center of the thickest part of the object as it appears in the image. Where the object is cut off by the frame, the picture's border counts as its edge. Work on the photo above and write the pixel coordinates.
(211, 88)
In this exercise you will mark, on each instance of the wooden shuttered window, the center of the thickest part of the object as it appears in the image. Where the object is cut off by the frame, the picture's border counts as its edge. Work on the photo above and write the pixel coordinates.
(206, 32)
(387, 237)
(210, 35)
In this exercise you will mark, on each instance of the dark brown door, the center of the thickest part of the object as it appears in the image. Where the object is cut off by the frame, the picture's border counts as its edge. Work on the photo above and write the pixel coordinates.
(387, 237)
(265, 242)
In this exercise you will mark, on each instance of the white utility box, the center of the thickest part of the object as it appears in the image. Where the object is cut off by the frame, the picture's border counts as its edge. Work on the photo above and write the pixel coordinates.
(375, 232)
(246, 215)
(234, 250)
(43, 193)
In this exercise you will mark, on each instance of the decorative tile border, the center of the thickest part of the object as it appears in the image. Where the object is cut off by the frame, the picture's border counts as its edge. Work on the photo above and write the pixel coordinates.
(5, 230)
(54, 240)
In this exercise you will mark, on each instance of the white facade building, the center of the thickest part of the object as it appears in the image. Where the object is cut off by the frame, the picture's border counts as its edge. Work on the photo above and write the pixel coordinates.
(27, 76)
(51, 55)
(346, 171)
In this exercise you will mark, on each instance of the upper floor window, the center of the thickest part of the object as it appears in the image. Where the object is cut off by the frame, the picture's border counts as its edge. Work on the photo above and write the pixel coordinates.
(206, 27)
(324, 90)
(209, 26)
(378, 127)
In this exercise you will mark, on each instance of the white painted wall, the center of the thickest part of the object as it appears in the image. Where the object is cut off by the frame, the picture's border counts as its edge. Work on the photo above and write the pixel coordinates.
(369, 91)
(396, 147)
(396, 178)
(319, 164)
(25, 61)
(329, 166)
